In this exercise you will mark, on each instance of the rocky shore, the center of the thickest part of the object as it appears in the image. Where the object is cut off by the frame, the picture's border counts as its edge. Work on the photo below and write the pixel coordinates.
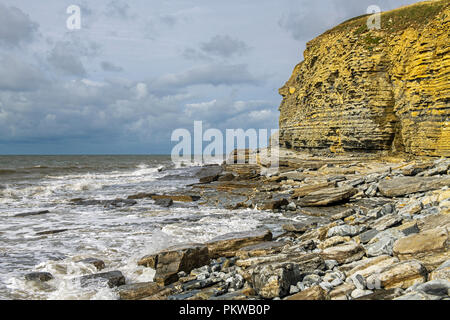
(376, 230)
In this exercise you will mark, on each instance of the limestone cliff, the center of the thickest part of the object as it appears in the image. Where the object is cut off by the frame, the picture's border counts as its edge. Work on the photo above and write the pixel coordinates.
(367, 90)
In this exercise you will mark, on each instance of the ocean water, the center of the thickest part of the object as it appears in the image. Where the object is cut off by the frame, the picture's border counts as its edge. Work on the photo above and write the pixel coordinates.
(118, 236)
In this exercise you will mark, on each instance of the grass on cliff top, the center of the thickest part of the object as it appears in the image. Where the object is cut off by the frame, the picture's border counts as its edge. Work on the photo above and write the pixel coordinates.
(418, 14)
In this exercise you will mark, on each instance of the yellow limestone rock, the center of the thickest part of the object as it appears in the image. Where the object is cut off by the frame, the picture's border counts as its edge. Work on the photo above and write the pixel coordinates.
(374, 90)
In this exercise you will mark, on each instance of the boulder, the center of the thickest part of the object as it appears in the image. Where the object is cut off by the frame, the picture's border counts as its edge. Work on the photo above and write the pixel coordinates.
(179, 258)
(149, 261)
(381, 247)
(401, 186)
(111, 278)
(227, 244)
(137, 291)
(164, 202)
(333, 241)
(307, 189)
(344, 253)
(345, 230)
(328, 196)
(314, 293)
(275, 279)
(39, 276)
(400, 275)
(441, 272)
(430, 247)
(435, 287)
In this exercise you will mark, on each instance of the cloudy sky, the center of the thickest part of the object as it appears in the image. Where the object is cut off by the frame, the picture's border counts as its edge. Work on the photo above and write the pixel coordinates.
(137, 70)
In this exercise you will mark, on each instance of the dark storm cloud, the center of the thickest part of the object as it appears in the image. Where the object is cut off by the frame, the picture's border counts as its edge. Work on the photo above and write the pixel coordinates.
(110, 67)
(224, 46)
(16, 27)
(219, 46)
(213, 74)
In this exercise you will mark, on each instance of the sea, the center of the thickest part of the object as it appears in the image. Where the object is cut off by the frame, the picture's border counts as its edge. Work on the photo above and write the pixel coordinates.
(117, 235)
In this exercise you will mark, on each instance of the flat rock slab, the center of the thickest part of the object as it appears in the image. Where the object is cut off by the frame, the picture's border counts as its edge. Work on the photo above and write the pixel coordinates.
(400, 275)
(227, 244)
(105, 203)
(401, 186)
(307, 189)
(313, 293)
(328, 196)
(299, 227)
(137, 291)
(431, 247)
(29, 214)
(260, 249)
(344, 253)
(164, 202)
(179, 258)
(112, 279)
(386, 222)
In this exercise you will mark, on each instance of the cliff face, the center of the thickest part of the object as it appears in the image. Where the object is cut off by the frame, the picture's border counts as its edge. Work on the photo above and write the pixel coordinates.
(372, 90)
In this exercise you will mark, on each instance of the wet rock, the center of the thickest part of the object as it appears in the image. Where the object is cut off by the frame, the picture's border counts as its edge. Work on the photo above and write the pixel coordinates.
(105, 203)
(429, 247)
(344, 253)
(137, 291)
(328, 196)
(227, 244)
(260, 249)
(307, 189)
(407, 185)
(149, 261)
(345, 230)
(209, 179)
(227, 177)
(179, 258)
(39, 276)
(99, 264)
(111, 278)
(29, 214)
(313, 293)
(164, 202)
(50, 232)
(400, 275)
(180, 198)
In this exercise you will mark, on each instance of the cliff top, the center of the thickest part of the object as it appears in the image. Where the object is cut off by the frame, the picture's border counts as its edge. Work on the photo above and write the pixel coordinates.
(418, 14)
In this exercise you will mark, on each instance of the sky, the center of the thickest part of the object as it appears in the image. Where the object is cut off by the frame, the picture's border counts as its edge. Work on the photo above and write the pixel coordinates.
(137, 70)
